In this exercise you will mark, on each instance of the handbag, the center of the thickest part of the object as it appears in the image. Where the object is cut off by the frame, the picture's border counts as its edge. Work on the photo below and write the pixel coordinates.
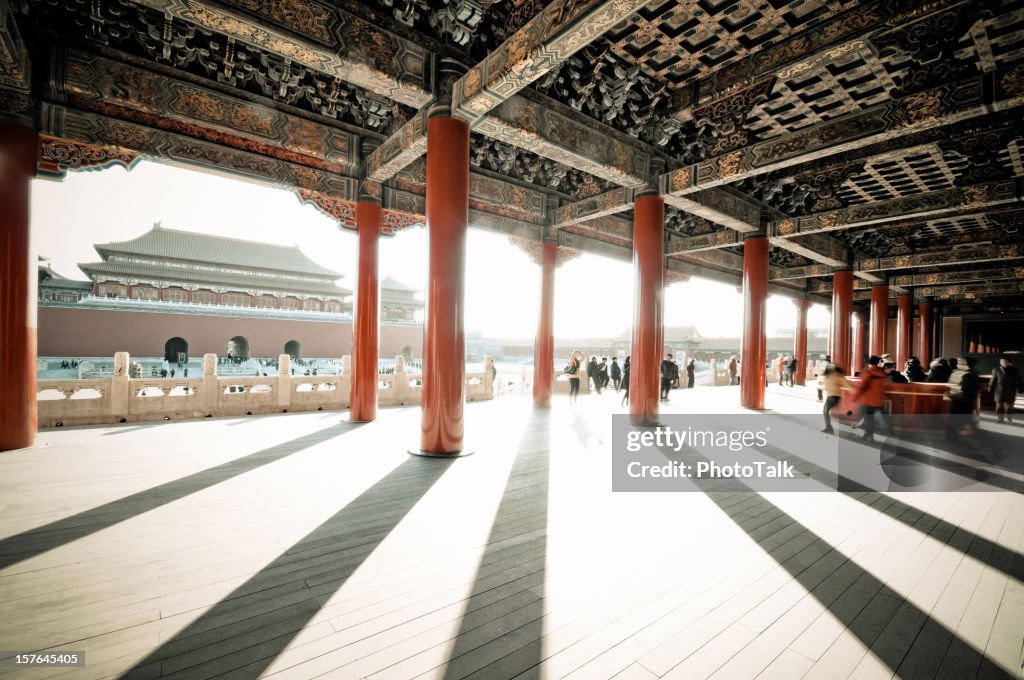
(571, 369)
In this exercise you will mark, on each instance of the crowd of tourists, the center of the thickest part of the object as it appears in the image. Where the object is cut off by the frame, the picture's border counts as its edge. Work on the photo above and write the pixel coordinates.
(880, 372)
(601, 374)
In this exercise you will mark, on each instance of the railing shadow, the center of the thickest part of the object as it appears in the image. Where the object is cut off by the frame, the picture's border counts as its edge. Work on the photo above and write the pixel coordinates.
(28, 544)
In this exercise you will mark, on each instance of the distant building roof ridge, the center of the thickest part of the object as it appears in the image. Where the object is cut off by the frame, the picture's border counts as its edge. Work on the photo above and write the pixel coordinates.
(161, 241)
(391, 283)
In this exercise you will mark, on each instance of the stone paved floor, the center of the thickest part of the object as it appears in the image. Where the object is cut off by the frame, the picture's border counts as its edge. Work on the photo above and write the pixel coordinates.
(297, 546)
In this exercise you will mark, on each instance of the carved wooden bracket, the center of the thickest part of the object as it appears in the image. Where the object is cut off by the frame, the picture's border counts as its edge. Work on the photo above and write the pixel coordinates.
(58, 155)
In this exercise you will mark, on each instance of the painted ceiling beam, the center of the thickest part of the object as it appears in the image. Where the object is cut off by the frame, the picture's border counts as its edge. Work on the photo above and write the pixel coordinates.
(609, 203)
(553, 35)
(952, 256)
(533, 127)
(819, 248)
(895, 118)
(930, 204)
(681, 245)
(721, 206)
(320, 36)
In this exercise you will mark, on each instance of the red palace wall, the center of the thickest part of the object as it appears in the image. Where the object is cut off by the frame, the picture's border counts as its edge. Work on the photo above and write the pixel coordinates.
(99, 333)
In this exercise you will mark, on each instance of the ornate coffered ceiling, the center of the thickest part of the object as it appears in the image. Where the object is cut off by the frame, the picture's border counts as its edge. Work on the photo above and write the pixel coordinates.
(847, 130)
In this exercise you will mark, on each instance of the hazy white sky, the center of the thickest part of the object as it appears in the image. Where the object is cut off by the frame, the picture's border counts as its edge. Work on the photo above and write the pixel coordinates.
(593, 295)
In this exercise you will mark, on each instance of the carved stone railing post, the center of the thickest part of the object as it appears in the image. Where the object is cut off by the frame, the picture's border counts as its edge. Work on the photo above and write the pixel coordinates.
(284, 380)
(400, 385)
(490, 373)
(346, 365)
(210, 387)
(119, 386)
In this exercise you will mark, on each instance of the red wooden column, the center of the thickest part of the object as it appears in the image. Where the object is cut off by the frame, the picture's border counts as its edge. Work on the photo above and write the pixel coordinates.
(19, 147)
(860, 344)
(924, 333)
(648, 309)
(754, 345)
(879, 318)
(800, 342)
(365, 331)
(444, 338)
(904, 329)
(544, 350)
(842, 309)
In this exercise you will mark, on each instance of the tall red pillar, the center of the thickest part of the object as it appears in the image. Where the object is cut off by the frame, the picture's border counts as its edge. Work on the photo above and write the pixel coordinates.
(754, 344)
(860, 343)
(800, 342)
(444, 338)
(842, 309)
(365, 333)
(924, 333)
(879, 318)
(904, 329)
(19, 147)
(648, 309)
(544, 351)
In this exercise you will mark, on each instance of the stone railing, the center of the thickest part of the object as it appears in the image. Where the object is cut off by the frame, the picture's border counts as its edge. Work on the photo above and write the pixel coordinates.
(121, 399)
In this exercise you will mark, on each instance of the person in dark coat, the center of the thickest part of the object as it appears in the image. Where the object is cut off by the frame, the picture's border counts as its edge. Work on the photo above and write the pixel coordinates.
(602, 372)
(963, 400)
(669, 372)
(625, 382)
(938, 372)
(616, 373)
(914, 372)
(690, 368)
(791, 369)
(892, 374)
(594, 374)
(1004, 385)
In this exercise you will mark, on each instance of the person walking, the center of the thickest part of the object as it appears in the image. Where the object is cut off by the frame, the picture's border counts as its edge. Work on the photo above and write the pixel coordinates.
(780, 367)
(593, 373)
(616, 373)
(963, 400)
(625, 382)
(669, 372)
(1004, 385)
(690, 369)
(791, 369)
(572, 369)
(602, 372)
(733, 366)
(871, 397)
(833, 383)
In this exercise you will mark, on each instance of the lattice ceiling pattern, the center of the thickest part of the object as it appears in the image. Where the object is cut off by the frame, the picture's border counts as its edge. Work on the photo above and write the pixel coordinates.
(913, 173)
(998, 41)
(673, 45)
(856, 81)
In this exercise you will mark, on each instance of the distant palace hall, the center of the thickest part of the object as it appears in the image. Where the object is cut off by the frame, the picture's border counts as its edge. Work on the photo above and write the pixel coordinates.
(206, 291)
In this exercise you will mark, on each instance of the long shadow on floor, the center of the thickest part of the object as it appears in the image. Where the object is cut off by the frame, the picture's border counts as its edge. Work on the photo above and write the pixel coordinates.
(243, 633)
(958, 538)
(901, 635)
(39, 540)
(500, 631)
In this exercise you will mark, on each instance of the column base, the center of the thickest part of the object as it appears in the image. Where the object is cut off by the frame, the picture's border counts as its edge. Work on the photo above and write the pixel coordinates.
(430, 454)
